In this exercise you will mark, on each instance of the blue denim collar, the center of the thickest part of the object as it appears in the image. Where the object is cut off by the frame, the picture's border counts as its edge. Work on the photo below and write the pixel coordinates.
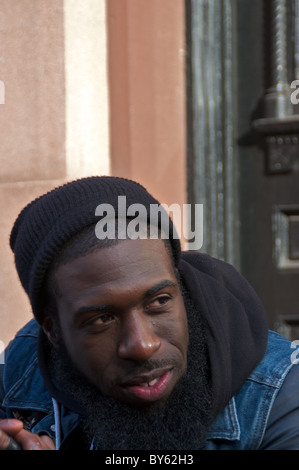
(23, 384)
(226, 425)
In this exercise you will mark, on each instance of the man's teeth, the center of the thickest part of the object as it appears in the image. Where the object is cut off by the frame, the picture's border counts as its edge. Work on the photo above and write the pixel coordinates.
(149, 384)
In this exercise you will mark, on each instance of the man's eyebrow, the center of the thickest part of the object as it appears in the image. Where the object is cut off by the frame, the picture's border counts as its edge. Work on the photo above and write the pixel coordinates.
(100, 308)
(161, 285)
(91, 308)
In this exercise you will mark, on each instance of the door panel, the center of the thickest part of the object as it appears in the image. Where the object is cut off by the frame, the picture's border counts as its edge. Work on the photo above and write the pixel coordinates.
(265, 43)
(269, 178)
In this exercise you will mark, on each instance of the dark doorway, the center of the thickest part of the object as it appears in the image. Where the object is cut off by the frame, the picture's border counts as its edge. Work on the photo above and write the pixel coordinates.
(243, 143)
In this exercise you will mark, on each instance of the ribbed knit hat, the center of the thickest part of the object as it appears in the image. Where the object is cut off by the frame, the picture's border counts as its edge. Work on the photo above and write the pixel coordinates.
(48, 222)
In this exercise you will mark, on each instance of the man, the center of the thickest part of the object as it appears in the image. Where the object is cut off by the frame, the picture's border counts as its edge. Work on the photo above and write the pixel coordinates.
(135, 345)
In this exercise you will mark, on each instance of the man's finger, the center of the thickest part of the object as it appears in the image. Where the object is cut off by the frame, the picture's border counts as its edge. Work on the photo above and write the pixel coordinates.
(4, 440)
(13, 445)
(11, 426)
(48, 442)
(12, 430)
(8, 428)
(31, 441)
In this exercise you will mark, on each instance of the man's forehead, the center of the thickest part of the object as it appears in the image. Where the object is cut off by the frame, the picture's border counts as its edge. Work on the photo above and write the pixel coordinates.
(116, 276)
(142, 256)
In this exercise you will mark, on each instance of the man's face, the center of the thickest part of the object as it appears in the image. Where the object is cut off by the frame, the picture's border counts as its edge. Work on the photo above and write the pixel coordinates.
(123, 320)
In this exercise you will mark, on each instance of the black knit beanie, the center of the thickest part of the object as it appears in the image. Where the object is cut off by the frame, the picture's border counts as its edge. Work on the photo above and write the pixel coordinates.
(48, 222)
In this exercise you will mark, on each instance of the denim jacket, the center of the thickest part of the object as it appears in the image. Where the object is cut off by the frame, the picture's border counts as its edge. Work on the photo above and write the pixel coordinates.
(241, 425)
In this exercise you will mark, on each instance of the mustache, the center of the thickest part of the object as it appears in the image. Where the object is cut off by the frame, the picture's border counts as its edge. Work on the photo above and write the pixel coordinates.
(149, 366)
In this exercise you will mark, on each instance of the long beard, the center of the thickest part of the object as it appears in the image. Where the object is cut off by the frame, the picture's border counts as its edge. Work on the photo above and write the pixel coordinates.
(181, 424)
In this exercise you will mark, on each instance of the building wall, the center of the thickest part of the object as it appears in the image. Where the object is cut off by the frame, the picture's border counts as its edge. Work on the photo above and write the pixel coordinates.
(90, 87)
(147, 94)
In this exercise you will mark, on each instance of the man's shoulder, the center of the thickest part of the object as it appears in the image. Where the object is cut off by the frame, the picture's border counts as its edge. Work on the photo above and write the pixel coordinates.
(243, 423)
(24, 343)
(277, 361)
(21, 353)
(30, 329)
(21, 383)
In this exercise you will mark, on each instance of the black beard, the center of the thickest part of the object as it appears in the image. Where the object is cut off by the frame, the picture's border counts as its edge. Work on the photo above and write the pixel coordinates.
(181, 424)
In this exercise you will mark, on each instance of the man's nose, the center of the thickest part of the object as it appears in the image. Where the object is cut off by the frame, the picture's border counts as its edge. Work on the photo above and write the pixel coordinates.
(138, 341)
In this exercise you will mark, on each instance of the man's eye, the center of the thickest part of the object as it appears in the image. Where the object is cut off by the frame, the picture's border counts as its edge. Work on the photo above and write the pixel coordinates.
(104, 318)
(159, 302)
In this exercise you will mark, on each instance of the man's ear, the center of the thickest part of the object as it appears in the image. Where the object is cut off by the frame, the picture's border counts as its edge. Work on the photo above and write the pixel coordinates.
(51, 330)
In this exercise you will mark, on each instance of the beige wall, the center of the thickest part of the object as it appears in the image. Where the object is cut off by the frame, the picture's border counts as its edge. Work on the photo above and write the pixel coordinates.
(86, 87)
(70, 112)
(54, 120)
(147, 94)
(32, 123)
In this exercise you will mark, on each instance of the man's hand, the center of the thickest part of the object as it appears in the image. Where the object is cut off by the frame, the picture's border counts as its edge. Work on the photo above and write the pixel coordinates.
(13, 428)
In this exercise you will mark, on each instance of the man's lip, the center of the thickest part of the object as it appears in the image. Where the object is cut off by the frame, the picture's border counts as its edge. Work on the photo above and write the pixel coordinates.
(145, 378)
(139, 390)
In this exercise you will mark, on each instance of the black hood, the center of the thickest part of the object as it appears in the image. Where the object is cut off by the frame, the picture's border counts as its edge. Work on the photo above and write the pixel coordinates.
(234, 318)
